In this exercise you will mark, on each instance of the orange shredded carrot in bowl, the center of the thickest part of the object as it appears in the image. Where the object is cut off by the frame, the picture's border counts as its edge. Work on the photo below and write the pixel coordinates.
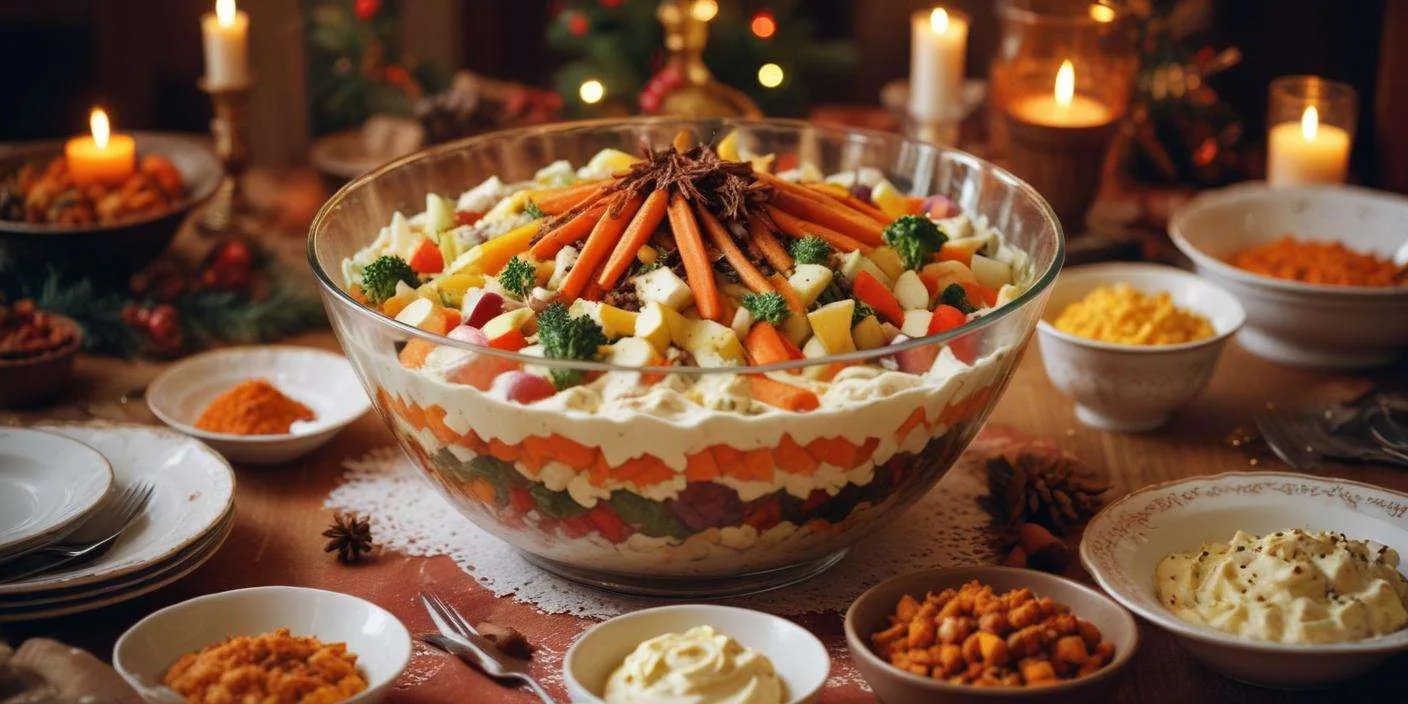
(1319, 263)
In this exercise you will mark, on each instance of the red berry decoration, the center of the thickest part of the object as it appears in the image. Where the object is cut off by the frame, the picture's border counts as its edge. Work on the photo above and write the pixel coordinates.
(577, 24)
(366, 9)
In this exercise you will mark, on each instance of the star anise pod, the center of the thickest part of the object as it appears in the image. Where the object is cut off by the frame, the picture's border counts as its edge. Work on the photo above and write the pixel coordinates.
(350, 536)
(1041, 485)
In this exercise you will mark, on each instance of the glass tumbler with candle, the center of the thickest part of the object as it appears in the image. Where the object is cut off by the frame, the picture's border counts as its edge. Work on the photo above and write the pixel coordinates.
(1310, 131)
(1061, 83)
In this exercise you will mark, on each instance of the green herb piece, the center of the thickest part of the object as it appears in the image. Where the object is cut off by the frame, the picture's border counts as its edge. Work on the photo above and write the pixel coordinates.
(914, 238)
(380, 277)
(811, 250)
(518, 277)
(652, 518)
(565, 337)
(955, 296)
(770, 306)
(861, 312)
(532, 210)
(640, 267)
(837, 290)
(555, 504)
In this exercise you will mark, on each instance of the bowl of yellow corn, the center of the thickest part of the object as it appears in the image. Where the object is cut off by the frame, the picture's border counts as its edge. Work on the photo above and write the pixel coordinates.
(1133, 342)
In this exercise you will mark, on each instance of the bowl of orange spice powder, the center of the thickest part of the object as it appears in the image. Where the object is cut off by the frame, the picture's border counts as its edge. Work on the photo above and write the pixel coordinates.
(260, 405)
(1320, 270)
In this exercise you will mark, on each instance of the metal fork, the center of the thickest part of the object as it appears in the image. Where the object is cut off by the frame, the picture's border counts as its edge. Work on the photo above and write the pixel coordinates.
(91, 540)
(475, 648)
(1301, 441)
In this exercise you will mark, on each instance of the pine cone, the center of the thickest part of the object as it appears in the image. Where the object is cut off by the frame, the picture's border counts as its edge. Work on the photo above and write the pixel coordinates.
(1043, 486)
(350, 536)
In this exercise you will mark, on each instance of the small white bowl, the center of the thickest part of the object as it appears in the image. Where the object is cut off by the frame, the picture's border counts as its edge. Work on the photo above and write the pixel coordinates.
(148, 649)
(1292, 322)
(1133, 388)
(1124, 544)
(322, 380)
(800, 659)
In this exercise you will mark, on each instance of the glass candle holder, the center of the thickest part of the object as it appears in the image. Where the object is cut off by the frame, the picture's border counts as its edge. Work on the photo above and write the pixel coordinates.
(1061, 83)
(1310, 130)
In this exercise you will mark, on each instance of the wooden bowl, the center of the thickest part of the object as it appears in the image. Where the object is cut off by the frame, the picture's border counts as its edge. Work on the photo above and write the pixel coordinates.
(108, 252)
(33, 381)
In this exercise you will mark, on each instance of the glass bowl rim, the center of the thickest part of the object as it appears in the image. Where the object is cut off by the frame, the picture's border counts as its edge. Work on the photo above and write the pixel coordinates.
(1028, 297)
(1008, 10)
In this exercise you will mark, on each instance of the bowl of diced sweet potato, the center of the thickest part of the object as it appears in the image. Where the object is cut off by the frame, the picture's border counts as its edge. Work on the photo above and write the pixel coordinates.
(974, 634)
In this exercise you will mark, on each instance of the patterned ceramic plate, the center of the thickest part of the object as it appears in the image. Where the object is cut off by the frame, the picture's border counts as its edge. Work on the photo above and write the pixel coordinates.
(1125, 542)
(194, 490)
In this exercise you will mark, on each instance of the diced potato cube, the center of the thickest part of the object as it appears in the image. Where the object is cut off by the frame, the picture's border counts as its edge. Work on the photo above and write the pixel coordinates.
(422, 313)
(742, 321)
(634, 352)
(664, 287)
(916, 323)
(505, 323)
(814, 348)
(653, 324)
(1007, 294)
(809, 280)
(706, 337)
(911, 292)
(617, 322)
(868, 334)
(832, 324)
(991, 272)
(888, 260)
(852, 263)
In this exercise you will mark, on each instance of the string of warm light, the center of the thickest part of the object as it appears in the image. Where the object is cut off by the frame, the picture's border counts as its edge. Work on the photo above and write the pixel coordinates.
(592, 91)
(770, 75)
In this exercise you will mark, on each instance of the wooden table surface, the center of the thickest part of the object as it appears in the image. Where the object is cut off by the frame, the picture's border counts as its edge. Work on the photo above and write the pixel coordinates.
(279, 515)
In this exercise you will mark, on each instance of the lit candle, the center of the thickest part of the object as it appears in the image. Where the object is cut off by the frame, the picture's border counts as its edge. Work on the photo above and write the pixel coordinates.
(938, 42)
(1307, 152)
(226, 33)
(101, 157)
(1063, 107)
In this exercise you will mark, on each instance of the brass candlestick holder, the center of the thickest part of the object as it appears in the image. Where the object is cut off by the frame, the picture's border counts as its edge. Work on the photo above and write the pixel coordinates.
(230, 128)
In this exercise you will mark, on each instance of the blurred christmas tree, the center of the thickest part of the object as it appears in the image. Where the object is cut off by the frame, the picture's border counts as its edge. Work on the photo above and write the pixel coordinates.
(761, 47)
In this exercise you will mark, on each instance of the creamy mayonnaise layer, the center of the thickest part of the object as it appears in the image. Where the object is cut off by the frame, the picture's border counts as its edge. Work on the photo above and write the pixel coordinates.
(1288, 587)
(699, 666)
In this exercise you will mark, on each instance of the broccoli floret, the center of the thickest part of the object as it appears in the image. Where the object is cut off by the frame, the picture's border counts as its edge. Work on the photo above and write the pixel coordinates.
(914, 238)
(861, 312)
(565, 337)
(955, 296)
(811, 250)
(532, 210)
(380, 277)
(518, 277)
(770, 306)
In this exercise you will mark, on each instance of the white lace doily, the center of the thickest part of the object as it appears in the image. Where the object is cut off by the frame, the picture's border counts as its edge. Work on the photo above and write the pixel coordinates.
(945, 527)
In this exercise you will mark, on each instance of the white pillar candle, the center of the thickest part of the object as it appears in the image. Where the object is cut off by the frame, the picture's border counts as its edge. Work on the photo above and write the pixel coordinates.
(938, 42)
(1307, 152)
(226, 37)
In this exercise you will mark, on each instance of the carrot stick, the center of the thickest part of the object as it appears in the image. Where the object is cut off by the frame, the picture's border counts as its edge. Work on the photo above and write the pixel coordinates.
(575, 229)
(794, 303)
(637, 234)
(833, 214)
(723, 241)
(698, 272)
(772, 250)
(784, 396)
(599, 243)
(854, 203)
(765, 344)
(555, 201)
(797, 227)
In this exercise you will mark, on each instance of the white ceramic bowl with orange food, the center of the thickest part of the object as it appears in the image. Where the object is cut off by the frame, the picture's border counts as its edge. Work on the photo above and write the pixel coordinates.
(1297, 323)
(1127, 387)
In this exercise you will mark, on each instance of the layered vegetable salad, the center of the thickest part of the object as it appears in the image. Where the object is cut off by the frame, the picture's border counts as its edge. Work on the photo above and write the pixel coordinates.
(700, 263)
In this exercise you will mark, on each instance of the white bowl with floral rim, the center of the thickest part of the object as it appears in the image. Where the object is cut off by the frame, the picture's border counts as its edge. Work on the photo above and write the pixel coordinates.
(1125, 542)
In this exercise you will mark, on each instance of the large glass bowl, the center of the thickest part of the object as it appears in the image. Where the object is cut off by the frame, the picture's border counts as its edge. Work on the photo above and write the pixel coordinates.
(708, 502)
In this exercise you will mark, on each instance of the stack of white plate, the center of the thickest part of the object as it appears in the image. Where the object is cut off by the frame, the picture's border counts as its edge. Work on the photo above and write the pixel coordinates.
(52, 477)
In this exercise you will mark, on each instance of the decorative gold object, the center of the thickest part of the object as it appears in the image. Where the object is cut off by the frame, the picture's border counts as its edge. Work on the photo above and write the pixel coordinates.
(699, 94)
(230, 128)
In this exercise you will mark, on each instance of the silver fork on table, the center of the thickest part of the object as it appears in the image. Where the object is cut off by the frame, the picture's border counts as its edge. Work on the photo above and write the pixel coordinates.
(1300, 440)
(460, 639)
(93, 538)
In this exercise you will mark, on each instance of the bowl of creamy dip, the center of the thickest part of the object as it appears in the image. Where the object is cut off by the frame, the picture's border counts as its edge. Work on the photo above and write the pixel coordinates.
(1275, 579)
(696, 654)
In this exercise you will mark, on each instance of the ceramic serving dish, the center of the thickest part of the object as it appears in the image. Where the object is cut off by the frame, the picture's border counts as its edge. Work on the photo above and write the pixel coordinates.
(1125, 542)
(381, 643)
(801, 661)
(321, 380)
(110, 252)
(894, 686)
(33, 381)
(1292, 322)
(1132, 388)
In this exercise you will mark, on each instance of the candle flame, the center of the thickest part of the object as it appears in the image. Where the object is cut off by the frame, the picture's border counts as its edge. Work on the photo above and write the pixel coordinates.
(1102, 13)
(938, 20)
(1310, 123)
(98, 122)
(225, 12)
(1066, 84)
